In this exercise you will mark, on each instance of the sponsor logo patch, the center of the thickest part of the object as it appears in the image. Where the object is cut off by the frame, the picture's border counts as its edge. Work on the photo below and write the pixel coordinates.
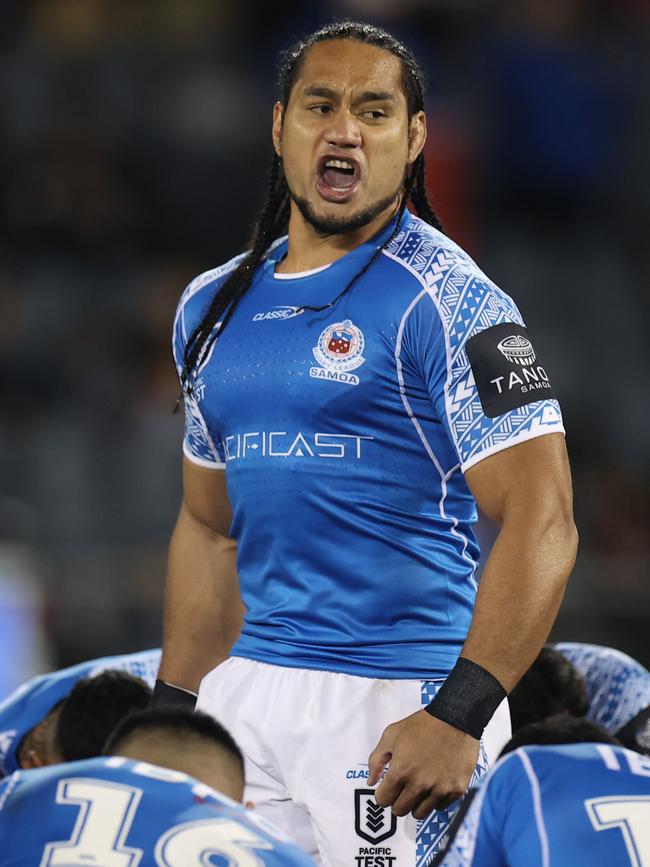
(339, 350)
(372, 822)
(506, 369)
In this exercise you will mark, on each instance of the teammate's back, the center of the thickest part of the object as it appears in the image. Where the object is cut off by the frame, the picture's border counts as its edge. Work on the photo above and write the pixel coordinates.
(115, 812)
(565, 805)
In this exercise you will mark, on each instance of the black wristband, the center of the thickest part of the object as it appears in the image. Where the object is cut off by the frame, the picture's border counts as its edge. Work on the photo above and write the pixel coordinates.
(468, 698)
(168, 695)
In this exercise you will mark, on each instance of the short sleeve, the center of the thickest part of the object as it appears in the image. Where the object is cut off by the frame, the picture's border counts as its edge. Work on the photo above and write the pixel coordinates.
(199, 444)
(482, 370)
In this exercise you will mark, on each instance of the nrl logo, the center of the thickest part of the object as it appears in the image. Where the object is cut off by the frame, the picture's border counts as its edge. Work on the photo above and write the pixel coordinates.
(517, 349)
(372, 822)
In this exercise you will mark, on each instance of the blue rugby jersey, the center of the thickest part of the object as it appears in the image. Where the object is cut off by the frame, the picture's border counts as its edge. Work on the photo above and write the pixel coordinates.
(558, 806)
(618, 687)
(113, 812)
(345, 435)
(30, 703)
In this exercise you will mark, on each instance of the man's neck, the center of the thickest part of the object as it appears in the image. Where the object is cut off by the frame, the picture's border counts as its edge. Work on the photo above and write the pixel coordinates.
(308, 249)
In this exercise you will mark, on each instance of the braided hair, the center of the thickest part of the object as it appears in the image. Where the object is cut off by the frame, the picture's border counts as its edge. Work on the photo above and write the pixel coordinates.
(273, 218)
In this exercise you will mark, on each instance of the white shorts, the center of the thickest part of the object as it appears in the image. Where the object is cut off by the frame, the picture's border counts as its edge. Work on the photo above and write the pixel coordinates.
(306, 737)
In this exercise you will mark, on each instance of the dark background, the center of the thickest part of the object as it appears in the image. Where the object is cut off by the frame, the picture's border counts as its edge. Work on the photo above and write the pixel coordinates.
(134, 142)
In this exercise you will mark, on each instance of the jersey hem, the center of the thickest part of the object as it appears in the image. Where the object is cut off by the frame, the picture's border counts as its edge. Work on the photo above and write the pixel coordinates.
(506, 444)
(202, 462)
(433, 673)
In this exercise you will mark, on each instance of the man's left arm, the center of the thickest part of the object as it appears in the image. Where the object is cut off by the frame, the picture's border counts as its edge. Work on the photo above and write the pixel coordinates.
(526, 489)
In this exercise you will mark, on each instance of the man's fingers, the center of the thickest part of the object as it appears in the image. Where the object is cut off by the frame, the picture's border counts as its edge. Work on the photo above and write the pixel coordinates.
(379, 758)
(388, 790)
(434, 801)
(408, 800)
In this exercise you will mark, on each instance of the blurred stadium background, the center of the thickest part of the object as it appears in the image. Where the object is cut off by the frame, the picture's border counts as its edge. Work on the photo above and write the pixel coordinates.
(133, 145)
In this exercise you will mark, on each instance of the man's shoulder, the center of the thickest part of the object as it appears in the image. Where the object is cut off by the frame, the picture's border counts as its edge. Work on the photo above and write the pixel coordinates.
(207, 282)
(444, 270)
(427, 252)
(465, 298)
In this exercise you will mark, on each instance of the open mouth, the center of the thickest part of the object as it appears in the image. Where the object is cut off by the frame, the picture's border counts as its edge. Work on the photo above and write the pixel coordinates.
(337, 178)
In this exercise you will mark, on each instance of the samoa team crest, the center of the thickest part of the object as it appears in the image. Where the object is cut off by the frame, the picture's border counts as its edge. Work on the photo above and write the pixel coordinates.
(339, 350)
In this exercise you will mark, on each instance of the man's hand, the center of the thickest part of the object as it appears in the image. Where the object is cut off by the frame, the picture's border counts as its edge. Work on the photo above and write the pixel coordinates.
(431, 765)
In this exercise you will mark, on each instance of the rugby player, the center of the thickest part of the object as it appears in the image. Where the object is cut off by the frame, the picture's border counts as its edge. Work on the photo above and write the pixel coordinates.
(584, 802)
(353, 386)
(168, 795)
(600, 683)
(551, 686)
(29, 716)
(618, 691)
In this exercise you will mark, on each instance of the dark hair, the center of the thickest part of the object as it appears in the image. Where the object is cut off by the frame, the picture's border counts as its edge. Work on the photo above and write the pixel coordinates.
(92, 710)
(274, 215)
(552, 685)
(560, 729)
(178, 722)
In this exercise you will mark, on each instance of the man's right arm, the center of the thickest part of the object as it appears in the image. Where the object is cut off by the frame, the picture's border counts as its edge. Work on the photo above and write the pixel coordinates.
(203, 607)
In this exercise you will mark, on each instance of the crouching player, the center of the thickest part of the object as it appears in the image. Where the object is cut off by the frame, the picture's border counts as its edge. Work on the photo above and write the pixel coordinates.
(29, 717)
(168, 796)
(618, 691)
(581, 800)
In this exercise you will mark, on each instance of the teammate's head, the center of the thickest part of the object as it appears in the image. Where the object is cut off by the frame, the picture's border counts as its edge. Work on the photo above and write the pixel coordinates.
(78, 725)
(93, 709)
(552, 685)
(190, 742)
(326, 108)
(560, 729)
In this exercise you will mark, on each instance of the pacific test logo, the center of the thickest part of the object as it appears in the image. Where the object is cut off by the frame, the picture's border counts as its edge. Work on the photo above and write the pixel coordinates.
(506, 369)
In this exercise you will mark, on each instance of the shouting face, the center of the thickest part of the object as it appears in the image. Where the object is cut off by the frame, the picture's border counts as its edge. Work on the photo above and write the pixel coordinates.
(345, 137)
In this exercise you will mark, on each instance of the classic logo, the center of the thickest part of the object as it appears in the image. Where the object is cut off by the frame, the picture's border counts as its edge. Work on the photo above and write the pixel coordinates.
(517, 349)
(279, 311)
(372, 822)
(338, 351)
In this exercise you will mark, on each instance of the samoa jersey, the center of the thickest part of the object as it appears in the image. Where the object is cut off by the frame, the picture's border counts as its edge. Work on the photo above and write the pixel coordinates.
(32, 701)
(558, 806)
(618, 687)
(344, 436)
(113, 812)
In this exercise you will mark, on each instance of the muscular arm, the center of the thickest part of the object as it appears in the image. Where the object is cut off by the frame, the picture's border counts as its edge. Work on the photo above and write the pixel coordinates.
(527, 491)
(203, 608)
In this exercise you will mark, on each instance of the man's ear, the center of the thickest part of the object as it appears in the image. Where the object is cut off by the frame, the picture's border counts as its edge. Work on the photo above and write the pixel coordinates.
(33, 759)
(278, 114)
(417, 135)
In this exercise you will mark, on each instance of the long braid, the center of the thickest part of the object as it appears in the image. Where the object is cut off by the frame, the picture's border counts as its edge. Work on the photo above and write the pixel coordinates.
(274, 216)
(419, 195)
(272, 220)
